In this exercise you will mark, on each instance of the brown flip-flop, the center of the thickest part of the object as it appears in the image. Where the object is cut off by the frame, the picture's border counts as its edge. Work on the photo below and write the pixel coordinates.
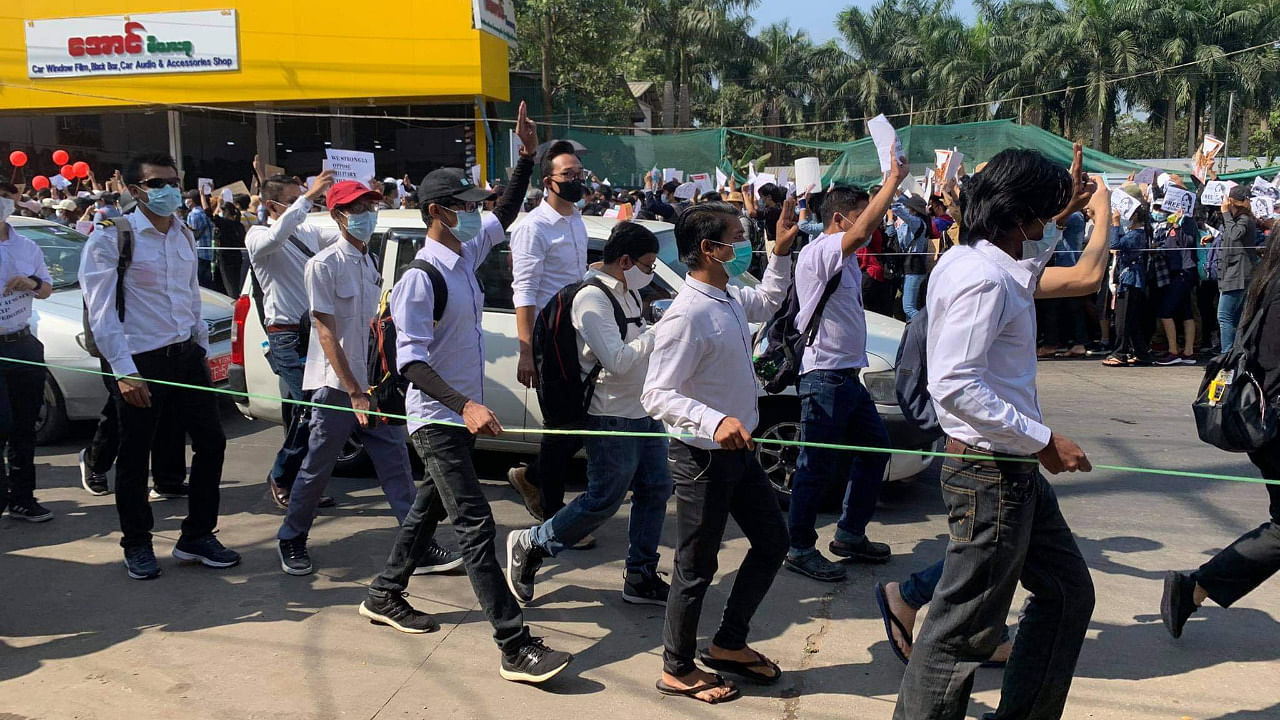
(692, 692)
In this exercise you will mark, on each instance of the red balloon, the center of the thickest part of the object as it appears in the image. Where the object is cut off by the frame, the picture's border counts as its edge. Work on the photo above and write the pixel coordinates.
(82, 169)
(17, 158)
(39, 182)
(67, 172)
(60, 157)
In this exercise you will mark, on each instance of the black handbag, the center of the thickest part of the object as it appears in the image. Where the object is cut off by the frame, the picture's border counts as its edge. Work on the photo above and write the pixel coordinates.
(1232, 410)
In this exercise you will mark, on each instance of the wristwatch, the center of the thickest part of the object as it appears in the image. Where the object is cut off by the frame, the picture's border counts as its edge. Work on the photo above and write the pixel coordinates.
(39, 283)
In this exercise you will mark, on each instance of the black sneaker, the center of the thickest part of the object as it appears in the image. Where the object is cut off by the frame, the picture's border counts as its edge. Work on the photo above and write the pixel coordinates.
(1166, 359)
(534, 662)
(205, 550)
(1098, 349)
(863, 552)
(393, 610)
(811, 563)
(168, 492)
(141, 563)
(438, 560)
(645, 588)
(293, 556)
(1178, 602)
(523, 560)
(29, 510)
(94, 483)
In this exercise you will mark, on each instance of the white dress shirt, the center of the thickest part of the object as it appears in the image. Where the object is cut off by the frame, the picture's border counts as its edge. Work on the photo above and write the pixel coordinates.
(342, 282)
(624, 363)
(548, 252)
(19, 257)
(700, 371)
(161, 291)
(278, 264)
(982, 349)
(841, 342)
(454, 348)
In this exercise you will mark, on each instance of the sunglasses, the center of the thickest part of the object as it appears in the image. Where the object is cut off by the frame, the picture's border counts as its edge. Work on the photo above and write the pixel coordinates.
(457, 207)
(157, 183)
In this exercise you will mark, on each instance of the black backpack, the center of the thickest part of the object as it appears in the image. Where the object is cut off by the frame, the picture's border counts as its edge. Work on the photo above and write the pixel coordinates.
(1232, 410)
(893, 259)
(386, 385)
(563, 394)
(779, 366)
(912, 378)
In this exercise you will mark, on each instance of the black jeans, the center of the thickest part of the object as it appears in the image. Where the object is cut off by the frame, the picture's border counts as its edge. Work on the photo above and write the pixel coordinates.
(168, 453)
(551, 468)
(451, 486)
(1005, 527)
(1133, 329)
(199, 409)
(1253, 557)
(711, 486)
(1207, 304)
(877, 295)
(232, 270)
(21, 394)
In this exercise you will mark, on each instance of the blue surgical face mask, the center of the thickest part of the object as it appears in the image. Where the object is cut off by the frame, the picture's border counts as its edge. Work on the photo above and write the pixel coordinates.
(582, 203)
(741, 261)
(163, 201)
(361, 225)
(467, 227)
(1158, 216)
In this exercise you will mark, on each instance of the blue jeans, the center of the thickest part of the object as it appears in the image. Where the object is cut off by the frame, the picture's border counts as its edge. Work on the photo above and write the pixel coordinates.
(613, 465)
(911, 285)
(917, 591)
(1230, 305)
(285, 362)
(835, 408)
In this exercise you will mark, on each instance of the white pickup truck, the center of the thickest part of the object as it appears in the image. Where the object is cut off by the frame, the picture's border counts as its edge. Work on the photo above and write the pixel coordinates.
(399, 236)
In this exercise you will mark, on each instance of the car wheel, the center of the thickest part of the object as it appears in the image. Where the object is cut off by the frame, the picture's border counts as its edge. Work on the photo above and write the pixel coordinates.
(779, 461)
(352, 460)
(52, 422)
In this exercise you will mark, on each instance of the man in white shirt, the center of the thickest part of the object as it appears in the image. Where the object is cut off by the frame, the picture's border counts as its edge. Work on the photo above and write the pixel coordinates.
(278, 252)
(343, 291)
(835, 408)
(702, 384)
(614, 352)
(146, 322)
(25, 277)
(437, 307)
(548, 252)
(1005, 523)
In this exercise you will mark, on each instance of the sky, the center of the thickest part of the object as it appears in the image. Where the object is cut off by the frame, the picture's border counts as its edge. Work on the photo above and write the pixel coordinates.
(819, 16)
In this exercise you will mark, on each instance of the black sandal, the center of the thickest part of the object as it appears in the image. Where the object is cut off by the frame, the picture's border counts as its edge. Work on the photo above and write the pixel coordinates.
(743, 669)
(891, 621)
(1114, 360)
(692, 692)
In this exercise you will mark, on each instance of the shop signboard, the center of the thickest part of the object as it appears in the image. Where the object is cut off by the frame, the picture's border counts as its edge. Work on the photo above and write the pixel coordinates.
(138, 44)
(497, 17)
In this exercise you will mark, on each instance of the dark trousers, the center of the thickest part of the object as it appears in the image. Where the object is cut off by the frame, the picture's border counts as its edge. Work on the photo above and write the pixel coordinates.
(232, 270)
(199, 410)
(1255, 556)
(1005, 527)
(1062, 321)
(711, 486)
(836, 409)
(452, 487)
(877, 295)
(168, 454)
(1207, 304)
(918, 590)
(551, 469)
(1133, 330)
(21, 395)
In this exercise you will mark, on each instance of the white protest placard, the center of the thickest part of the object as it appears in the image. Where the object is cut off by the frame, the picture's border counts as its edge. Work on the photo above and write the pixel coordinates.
(887, 143)
(227, 195)
(784, 176)
(722, 180)
(703, 182)
(1125, 204)
(808, 175)
(1215, 192)
(1262, 206)
(60, 182)
(669, 174)
(15, 308)
(475, 175)
(763, 179)
(84, 227)
(236, 188)
(1177, 200)
(1204, 159)
(611, 212)
(310, 180)
(1262, 188)
(205, 185)
(351, 165)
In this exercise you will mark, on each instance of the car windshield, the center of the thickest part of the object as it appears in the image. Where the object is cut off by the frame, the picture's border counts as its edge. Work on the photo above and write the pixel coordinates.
(669, 254)
(62, 247)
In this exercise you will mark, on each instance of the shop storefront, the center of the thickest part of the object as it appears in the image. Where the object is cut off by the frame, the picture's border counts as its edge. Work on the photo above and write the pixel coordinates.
(285, 80)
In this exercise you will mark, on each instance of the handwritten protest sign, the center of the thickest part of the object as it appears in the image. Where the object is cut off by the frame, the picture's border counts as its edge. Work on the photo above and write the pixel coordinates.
(13, 311)
(351, 165)
(887, 143)
(1178, 200)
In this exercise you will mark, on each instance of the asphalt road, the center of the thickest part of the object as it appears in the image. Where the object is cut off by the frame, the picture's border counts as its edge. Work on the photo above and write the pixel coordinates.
(80, 640)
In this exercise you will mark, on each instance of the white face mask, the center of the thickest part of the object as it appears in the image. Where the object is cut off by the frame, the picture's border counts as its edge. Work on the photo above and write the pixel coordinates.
(1036, 253)
(6, 209)
(637, 278)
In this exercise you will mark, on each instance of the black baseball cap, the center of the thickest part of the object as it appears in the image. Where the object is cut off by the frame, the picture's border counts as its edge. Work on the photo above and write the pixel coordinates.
(449, 183)
(1239, 193)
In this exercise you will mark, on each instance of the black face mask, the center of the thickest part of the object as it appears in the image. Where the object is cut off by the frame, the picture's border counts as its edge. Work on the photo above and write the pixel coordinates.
(571, 190)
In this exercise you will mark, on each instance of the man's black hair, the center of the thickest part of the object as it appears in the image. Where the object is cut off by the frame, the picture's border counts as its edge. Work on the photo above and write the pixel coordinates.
(557, 148)
(631, 239)
(711, 196)
(773, 192)
(133, 169)
(8, 187)
(241, 200)
(273, 187)
(192, 194)
(670, 186)
(843, 200)
(704, 221)
(1017, 186)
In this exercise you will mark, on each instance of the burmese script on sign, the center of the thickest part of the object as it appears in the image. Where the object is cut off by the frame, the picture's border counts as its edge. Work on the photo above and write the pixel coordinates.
(198, 41)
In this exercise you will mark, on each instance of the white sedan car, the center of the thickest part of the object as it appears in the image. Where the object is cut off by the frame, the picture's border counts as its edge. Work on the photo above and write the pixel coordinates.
(399, 236)
(58, 321)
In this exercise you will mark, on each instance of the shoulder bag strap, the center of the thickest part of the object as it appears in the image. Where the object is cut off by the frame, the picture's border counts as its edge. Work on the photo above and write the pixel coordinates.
(302, 247)
(811, 332)
(124, 246)
(439, 289)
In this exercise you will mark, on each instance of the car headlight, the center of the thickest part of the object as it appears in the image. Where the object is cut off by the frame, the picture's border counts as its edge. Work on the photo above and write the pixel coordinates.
(882, 386)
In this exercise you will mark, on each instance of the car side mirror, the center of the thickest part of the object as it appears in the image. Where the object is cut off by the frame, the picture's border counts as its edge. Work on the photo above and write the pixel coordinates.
(657, 309)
